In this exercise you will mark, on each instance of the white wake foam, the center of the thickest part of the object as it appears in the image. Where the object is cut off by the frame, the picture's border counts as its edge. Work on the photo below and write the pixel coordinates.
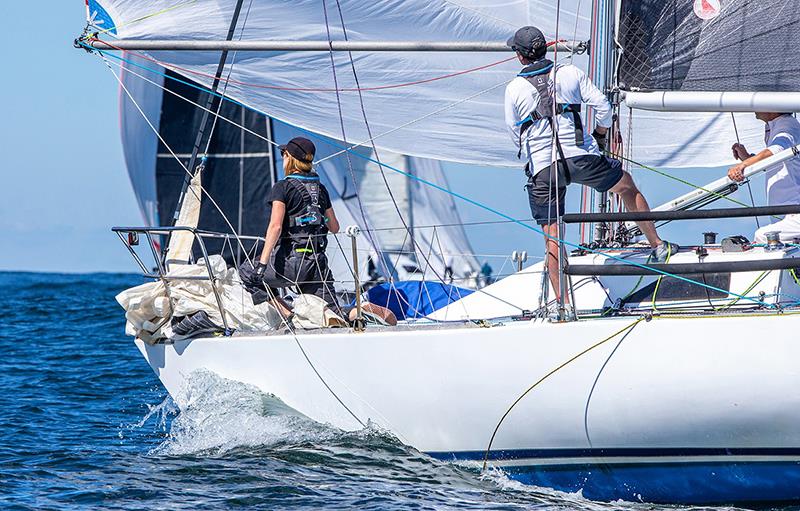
(221, 415)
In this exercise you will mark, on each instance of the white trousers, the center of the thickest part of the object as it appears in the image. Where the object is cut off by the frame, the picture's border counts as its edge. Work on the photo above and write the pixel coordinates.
(789, 228)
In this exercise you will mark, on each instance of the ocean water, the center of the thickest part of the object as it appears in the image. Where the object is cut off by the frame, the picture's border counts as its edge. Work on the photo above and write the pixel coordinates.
(85, 424)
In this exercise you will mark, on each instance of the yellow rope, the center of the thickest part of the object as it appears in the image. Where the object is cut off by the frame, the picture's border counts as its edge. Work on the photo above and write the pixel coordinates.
(658, 282)
(756, 282)
(546, 376)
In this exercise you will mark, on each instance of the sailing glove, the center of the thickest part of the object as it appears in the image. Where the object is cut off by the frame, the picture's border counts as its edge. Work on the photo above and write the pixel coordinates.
(602, 140)
(255, 277)
(260, 269)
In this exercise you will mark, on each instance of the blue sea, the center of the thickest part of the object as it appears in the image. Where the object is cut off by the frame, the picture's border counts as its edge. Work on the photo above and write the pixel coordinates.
(85, 424)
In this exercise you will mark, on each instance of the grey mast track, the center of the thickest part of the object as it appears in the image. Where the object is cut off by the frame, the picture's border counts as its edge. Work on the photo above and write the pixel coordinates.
(396, 46)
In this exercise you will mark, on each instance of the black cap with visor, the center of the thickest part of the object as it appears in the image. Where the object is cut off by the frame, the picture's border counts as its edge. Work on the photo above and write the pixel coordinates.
(300, 148)
(529, 41)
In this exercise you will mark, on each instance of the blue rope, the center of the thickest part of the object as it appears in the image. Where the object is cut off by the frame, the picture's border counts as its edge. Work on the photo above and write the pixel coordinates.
(434, 185)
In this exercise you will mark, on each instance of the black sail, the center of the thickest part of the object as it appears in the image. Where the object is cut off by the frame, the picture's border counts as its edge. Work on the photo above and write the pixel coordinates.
(742, 45)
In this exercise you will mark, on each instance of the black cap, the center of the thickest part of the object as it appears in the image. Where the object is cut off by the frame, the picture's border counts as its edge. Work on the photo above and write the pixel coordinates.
(529, 41)
(300, 148)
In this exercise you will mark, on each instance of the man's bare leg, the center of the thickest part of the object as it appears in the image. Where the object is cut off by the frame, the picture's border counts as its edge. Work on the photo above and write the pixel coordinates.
(552, 235)
(635, 201)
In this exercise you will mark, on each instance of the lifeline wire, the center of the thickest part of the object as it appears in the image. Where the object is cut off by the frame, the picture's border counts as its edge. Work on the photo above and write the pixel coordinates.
(548, 375)
(468, 200)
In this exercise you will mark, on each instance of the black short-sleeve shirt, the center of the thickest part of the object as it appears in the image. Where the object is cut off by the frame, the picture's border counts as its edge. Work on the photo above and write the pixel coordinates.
(295, 200)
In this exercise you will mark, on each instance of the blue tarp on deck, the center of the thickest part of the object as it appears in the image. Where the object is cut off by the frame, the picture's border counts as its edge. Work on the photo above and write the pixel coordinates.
(415, 299)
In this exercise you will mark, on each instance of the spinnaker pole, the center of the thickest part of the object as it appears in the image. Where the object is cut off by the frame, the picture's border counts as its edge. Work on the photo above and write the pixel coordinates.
(578, 47)
(724, 185)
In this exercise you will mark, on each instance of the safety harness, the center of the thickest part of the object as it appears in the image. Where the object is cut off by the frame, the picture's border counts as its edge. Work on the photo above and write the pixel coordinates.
(538, 74)
(307, 228)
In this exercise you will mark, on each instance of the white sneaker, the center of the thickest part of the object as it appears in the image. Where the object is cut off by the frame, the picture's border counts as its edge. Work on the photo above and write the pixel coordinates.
(664, 251)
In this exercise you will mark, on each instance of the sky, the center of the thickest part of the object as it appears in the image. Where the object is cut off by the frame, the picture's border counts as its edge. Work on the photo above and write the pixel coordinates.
(65, 182)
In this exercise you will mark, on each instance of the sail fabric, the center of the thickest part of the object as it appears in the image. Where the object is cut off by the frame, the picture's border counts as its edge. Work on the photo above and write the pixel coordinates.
(140, 144)
(242, 163)
(180, 243)
(687, 139)
(461, 117)
(447, 239)
(709, 45)
(453, 119)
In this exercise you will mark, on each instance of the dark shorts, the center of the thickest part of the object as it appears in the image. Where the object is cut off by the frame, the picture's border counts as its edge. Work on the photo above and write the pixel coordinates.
(596, 172)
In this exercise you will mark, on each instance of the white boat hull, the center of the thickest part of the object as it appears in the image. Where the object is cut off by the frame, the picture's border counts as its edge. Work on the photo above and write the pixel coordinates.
(700, 410)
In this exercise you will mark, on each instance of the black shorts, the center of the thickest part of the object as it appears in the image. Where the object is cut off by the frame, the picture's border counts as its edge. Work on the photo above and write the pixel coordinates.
(594, 171)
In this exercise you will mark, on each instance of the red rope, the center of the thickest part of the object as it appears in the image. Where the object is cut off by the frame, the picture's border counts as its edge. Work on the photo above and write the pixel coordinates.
(304, 89)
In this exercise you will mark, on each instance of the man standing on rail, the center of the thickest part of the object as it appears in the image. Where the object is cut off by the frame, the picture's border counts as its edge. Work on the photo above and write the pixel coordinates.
(782, 131)
(530, 102)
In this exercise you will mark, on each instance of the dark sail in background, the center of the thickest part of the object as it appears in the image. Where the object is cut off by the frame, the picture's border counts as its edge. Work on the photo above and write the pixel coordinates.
(238, 173)
(741, 45)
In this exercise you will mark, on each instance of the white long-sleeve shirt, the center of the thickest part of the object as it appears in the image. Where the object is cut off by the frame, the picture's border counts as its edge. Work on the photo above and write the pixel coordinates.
(572, 87)
(783, 179)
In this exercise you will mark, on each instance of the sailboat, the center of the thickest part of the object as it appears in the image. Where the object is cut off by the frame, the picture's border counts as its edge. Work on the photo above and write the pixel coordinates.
(675, 383)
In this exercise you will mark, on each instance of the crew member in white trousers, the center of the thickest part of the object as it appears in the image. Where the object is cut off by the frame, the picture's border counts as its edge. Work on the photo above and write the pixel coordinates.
(782, 131)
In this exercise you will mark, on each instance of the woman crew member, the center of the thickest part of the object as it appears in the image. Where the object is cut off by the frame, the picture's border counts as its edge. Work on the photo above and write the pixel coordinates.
(301, 218)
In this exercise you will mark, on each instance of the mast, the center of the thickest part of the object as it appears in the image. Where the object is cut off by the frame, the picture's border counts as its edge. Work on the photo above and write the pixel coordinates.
(601, 66)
